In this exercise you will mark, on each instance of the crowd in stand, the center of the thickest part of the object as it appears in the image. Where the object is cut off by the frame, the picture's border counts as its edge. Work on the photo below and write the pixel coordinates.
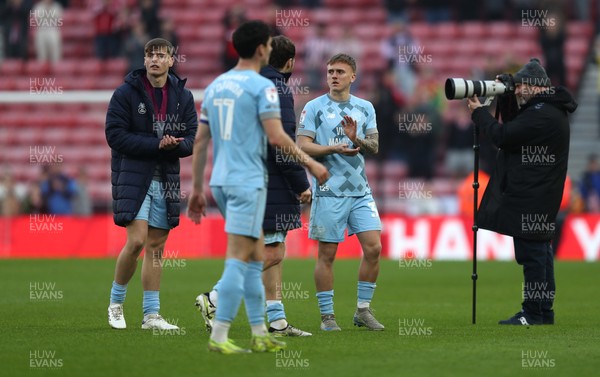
(55, 192)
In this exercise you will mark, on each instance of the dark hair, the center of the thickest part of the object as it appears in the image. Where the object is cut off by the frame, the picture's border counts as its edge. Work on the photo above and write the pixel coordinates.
(157, 43)
(249, 36)
(283, 50)
(343, 58)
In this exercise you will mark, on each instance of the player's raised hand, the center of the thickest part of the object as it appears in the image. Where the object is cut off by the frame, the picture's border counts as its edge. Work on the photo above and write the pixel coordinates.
(196, 207)
(318, 170)
(349, 126)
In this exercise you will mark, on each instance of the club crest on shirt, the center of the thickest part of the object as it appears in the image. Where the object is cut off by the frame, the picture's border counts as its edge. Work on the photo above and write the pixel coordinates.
(302, 117)
(142, 108)
(271, 94)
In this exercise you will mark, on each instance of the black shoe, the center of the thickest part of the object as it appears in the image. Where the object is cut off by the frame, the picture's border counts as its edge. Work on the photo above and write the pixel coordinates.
(548, 317)
(521, 318)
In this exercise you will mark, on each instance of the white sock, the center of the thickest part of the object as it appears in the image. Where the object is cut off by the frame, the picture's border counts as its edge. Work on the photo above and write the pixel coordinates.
(213, 296)
(272, 302)
(279, 324)
(259, 330)
(220, 331)
(363, 304)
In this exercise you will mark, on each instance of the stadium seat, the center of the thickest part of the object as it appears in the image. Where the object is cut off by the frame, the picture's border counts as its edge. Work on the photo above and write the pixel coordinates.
(447, 30)
(11, 67)
(90, 67)
(37, 68)
(475, 30)
(584, 30)
(394, 170)
(8, 82)
(502, 29)
(55, 135)
(421, 30)
(577, 47)
(65, 67)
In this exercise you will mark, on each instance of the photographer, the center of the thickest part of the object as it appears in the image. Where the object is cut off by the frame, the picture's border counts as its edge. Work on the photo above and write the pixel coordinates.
(526, 186)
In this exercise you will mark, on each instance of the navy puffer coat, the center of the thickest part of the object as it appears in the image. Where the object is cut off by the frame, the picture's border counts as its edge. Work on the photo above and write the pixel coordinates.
(134, 142)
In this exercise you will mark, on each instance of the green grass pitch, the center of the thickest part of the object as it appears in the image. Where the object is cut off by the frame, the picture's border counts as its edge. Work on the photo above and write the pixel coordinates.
(54, 323)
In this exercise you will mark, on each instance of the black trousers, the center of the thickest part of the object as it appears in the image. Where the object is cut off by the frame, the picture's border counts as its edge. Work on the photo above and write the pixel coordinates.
(539, 286)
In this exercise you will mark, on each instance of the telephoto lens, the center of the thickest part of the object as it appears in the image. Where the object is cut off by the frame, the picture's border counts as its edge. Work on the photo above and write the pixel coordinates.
(457, 88)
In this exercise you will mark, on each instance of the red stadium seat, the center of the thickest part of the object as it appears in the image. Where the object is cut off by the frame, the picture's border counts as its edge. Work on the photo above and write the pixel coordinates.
(447, 30)
(474, 30)
(421, 30)
(584, 30)
(503, 30)
(11, 67)
(37, 68)
(8, 82)
(65, 67)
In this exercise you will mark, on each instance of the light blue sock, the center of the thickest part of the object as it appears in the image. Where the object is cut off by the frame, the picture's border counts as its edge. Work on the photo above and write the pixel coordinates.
(254, 293)
(365, 291)
(151, 302)
(325, 299)
(216, 287)
(275, 311)
(118, 293)
(231, 289)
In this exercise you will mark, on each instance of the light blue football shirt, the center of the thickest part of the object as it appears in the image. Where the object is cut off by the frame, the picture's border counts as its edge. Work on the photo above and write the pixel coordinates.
(234, 105)
(321, 120)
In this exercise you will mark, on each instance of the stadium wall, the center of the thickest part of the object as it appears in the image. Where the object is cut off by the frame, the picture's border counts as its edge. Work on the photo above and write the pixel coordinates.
(431, 238)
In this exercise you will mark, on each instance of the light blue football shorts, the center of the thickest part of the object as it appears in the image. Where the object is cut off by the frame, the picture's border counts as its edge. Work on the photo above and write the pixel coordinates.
(331, 215)
(154, 207)
(275, 237)
(242, 207)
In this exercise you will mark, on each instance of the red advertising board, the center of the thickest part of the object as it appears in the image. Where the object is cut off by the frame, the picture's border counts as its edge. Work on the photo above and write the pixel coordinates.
(428, 237)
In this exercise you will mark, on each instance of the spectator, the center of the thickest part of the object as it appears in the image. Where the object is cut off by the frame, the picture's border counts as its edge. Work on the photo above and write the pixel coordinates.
(317, 47)
(399, 50)
(9, 201)
(168, 33)
(58, 192)
(104, 23)
(234, 17)
(15, 22)
(82, 203)
(34, 201)
(149, 16)
(589, 187)
(48, 20)
(436, 10)
(397, 10)
(388, 102)
(122, 26)
(420, 136)
(134, 47)
(459, 143)
(552, 40)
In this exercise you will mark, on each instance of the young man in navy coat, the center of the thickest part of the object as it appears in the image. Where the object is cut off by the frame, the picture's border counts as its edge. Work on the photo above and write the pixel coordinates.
(151, 123)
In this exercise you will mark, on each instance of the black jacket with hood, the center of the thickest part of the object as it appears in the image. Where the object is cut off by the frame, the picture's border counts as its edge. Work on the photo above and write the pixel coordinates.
(525, 190)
